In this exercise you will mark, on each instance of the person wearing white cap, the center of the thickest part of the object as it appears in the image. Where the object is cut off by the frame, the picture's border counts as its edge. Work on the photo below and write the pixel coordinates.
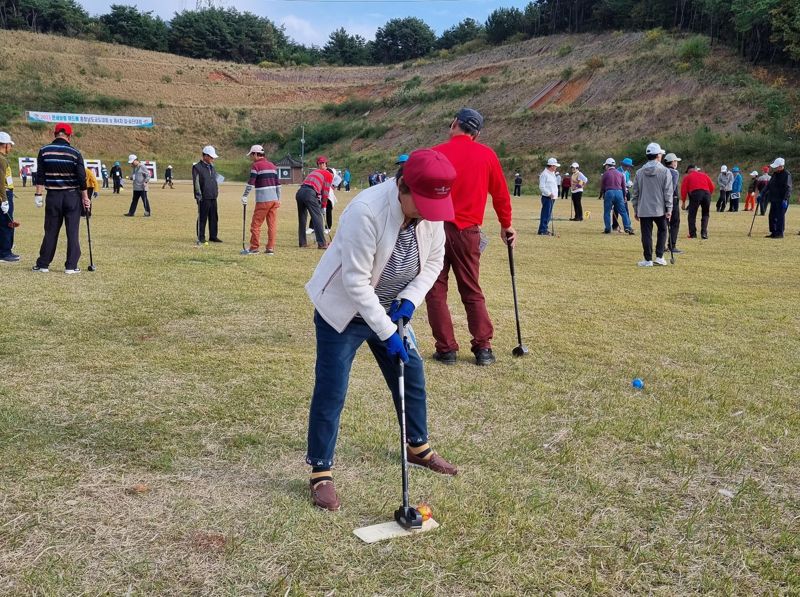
(264, 179)
(548, 187)
(168, 178)
(671, 162)
(652, 204)
(7, 223)
(206, 191)
(579, 182)
(140, 177)
(778, 192)
(725, 181)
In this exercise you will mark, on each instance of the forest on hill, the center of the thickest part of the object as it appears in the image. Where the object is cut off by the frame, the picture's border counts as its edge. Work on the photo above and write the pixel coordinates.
(759, 30)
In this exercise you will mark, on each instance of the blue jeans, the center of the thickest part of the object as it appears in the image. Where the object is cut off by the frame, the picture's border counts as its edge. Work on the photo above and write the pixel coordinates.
(615, 199)
(335, 354)
(547, 212)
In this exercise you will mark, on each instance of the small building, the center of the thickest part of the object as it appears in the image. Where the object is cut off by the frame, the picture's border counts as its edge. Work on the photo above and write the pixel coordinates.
(290, 170)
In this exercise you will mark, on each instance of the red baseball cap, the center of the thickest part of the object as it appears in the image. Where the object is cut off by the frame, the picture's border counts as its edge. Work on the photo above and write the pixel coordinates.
(63, 127)
(765, 169)
(430, 176)
(322, 160)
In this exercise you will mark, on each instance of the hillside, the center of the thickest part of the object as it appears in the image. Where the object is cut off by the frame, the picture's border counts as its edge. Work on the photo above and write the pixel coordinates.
(579, 95)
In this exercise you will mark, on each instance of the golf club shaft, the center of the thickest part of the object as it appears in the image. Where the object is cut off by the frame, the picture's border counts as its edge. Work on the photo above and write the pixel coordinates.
(401, 393)
(755, 211)
(89, 237)
(514, 290)
(244, 222)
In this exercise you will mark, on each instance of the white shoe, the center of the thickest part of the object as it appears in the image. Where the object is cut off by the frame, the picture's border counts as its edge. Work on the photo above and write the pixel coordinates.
(77, 270)
(645, 263)
(309, 231)
(327, 231)
(43, 270)
(660, 261)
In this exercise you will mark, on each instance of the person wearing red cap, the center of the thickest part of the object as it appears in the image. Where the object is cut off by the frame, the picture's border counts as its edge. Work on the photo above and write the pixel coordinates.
(312, 200)
(387, 254)
(60, 170)
(479, 175)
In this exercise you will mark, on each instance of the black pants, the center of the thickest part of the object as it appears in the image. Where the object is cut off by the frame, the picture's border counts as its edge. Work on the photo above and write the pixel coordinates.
(674, 224)
(347, 186)
(329, 216)
(168, 181)
(7, 232)
(308, 205)
(734, 197)
(565, 192)
(117, 185)
(699, 199)
(517, 190)
(762, 203)
(777, 217)
(723, 200)
(61, 207)
(24, 181)
(135, 202)
(105, 182)
(576, 203)
(646, 224)
(207, 212)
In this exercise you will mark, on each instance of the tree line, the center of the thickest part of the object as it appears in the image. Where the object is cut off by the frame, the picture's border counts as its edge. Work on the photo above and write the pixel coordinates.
(761, 30)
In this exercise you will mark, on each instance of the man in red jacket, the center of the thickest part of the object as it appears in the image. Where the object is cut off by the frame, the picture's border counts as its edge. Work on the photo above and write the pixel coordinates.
(312, 199)
(478, 174)
(699, 187)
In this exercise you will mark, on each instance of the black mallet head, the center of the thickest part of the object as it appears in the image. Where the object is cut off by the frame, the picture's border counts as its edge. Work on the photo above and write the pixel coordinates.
(520, 351)
(92, 268)
(408, 518)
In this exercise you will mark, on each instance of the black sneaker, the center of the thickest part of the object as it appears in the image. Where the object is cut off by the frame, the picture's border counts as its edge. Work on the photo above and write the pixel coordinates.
(446, 358)
(36, 268)
(215, 240)
(484, 356)
(10, 258)
(147, 214)
(128, 215)
(630, 231)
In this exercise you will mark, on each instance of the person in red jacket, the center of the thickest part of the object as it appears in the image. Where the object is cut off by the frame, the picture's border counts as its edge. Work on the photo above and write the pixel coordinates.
(312, 199)
(478, 174)
(699, 188)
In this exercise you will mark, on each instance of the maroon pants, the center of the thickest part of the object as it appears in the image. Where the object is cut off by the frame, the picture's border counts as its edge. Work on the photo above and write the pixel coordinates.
(462, 254)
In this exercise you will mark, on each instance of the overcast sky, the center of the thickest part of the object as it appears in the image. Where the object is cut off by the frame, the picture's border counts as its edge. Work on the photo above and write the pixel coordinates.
(311, 21)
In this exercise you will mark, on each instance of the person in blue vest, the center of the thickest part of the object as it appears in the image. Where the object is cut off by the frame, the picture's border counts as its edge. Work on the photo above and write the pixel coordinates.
(736, 189)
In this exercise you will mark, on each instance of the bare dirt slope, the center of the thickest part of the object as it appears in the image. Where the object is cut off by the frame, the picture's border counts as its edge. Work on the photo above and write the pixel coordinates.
(547, 94)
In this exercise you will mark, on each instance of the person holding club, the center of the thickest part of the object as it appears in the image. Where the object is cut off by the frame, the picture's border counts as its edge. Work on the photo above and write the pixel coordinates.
(264, 179)
(7, 223)
(548, 188)
(60, 171)
(387, 254)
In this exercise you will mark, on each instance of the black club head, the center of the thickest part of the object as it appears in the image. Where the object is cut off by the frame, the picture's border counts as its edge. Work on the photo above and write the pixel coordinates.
(520, 351)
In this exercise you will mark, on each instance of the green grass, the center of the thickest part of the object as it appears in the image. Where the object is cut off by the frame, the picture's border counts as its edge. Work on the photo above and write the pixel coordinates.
(190, 370)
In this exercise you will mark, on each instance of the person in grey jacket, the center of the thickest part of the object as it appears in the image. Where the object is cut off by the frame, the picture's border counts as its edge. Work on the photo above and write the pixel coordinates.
(652, 204)
(140, 177)
(206, 191)
(725, 180)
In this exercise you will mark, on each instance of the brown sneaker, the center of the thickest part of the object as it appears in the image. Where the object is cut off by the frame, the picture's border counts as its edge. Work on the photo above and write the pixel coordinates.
(436, 463)
(323, 494)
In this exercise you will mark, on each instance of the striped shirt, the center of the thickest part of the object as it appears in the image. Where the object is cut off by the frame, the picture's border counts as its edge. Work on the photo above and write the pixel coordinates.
(60, 167)
(402, 267)
(320, 180)
(264, 178)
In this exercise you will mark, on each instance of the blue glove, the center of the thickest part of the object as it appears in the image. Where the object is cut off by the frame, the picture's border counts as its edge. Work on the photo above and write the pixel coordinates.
(403, 308)
(396, 347)
(784, 205)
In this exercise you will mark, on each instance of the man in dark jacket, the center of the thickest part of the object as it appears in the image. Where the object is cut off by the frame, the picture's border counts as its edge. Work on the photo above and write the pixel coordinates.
(778, 192)
(61, 172)
(517, 185)
(206, 191)
(116, 177)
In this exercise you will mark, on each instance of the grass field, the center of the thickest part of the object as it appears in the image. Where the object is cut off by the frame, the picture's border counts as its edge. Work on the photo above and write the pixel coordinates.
(153, 415)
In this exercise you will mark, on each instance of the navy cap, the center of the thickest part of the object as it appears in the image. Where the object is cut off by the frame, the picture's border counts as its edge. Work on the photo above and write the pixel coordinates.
(472, 118)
